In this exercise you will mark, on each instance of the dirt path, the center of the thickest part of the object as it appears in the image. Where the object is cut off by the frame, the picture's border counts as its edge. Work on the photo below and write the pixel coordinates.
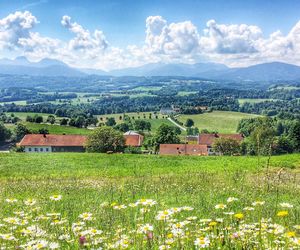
(176, 124)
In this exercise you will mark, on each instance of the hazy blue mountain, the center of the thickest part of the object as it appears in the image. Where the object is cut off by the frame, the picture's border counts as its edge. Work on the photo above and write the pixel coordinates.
(50, 62)
(94, 72)
(45, 67)
(162, 69)
(260, 72)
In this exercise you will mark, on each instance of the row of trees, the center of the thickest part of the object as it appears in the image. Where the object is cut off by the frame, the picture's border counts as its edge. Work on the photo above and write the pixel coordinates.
(263, 136)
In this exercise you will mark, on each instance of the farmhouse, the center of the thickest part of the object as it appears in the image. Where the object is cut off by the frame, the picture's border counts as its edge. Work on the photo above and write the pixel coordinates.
(209, 139)
(199, 145)
(44, 143)
(182, 149)
(133, 139)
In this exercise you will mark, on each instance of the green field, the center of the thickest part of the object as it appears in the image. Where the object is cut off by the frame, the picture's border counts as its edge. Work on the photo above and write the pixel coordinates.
(54, 129)
(21, 103)
(186, 93)
(258, 100)
(103, 192)
(221, 121)
(155, 123)
(23, 115)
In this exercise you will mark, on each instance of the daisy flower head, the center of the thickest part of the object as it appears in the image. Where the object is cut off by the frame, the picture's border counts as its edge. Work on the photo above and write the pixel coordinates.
(286, 205)
(56, 197)
(86, 216)
(220, 206)
(202, 242)
(232, 199)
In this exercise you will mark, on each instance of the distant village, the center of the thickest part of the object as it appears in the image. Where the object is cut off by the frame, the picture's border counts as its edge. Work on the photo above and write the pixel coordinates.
(200, 145)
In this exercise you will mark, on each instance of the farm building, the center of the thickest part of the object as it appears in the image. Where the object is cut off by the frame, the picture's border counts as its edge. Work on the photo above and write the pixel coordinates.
(192, 139)
(133, 139)
(182, 149)
(44, 143)
(209, 139)
(199, 145)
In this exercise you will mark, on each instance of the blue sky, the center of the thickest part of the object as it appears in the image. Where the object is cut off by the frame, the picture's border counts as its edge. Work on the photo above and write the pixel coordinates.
(123, 24)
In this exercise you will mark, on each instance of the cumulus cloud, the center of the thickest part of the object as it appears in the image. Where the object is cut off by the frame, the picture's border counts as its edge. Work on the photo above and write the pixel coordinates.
(84, 41)
(232, 44)
(175, 39)
(14, 27)
(230, 39)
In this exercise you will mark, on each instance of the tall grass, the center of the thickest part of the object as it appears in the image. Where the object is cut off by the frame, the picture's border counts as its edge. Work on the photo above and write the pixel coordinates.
(99, 184)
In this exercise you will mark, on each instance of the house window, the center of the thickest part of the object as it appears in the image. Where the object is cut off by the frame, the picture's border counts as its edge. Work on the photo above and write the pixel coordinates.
(29, 149)
(36, 149)
(41, 149)
(47, 149)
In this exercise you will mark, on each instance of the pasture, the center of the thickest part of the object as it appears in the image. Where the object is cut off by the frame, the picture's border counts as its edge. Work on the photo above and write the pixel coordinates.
(156, 118)
(256, 100)
(149, 202)
(220, 121)
(23, 115)
(53, 129)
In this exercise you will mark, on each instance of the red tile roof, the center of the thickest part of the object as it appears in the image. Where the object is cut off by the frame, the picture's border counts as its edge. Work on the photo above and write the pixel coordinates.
(182, 149)
(53, 140)
(208, 139)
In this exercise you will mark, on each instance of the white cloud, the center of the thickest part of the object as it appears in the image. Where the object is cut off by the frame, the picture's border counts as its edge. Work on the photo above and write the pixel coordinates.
(15, 27)
(232, 44)
(84, 41)
(230, 39)
(175, 39)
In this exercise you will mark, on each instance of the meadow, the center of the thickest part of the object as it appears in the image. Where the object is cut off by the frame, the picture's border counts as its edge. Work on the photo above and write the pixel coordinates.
(23, 115)
(255, 100)
(220, 121)
(120, 201)
(155, 122)
(53, 129)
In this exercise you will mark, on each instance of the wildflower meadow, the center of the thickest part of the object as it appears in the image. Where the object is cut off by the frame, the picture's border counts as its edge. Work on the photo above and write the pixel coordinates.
(86, 201)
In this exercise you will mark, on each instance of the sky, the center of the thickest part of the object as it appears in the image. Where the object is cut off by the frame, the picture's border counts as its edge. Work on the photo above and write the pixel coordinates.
(113, 34)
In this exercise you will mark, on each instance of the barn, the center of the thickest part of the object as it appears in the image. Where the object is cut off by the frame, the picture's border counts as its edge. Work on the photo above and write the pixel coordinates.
(45, 143)
(133, 139)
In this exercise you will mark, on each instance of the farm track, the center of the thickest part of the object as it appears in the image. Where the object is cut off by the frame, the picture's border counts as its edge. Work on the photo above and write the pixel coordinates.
(176, 124)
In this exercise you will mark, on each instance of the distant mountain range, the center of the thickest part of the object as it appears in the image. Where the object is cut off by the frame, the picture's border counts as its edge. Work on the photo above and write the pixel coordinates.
(260, 72)
(45, 67)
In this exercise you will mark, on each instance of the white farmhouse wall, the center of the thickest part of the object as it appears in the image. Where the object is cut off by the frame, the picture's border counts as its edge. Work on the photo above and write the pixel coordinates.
(38, 149)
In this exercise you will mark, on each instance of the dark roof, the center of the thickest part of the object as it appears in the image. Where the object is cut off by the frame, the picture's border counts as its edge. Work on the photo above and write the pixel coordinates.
(208, 139)
(53, 140)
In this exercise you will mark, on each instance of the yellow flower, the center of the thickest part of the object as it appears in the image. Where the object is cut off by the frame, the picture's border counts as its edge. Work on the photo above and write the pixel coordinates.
(169, 236)
(290, 234)
(283, 213)
(213, 223)
(239, 216)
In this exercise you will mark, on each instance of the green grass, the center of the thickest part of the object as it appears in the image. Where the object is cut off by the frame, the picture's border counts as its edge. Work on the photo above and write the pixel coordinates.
(87, 181)
(155, 123)
(258, 100)
(57, 129)
(97, 183)
(221, 121)
(23, 115)
(148, 88)
(186, 93)
(21, 103)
